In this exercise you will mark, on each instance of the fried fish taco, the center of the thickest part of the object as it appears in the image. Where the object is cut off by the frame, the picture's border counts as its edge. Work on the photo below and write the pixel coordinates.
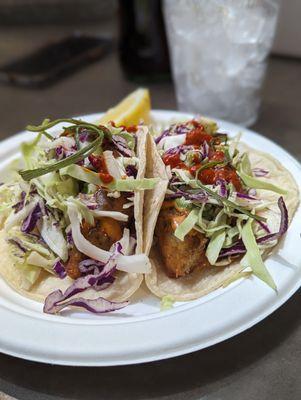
(72, 217)
(225, 207)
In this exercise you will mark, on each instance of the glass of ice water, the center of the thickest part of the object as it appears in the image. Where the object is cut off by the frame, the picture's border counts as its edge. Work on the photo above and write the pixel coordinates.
(218, 51)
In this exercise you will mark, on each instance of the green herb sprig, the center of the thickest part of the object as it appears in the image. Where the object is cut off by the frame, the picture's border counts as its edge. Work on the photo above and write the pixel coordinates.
(226, 202)
(102, 131)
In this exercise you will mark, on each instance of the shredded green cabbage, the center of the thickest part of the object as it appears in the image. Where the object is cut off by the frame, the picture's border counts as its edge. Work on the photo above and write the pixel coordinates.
(185, 176)
(215, 245)
(28, 150)
(68, 187)
(231, 233)
(167, 302)
(182, 203)
(82, 174)
(130, 139)
(255, 183)
(188, 224)
(82, 209)
(121, 185)
(245, 164)
(253, 258)
(35, 259)
(53, 236)
(128, 185)
(30, 274)
(30, 243)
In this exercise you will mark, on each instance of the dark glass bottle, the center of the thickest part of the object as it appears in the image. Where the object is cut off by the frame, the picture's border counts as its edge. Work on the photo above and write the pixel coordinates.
(143, 46)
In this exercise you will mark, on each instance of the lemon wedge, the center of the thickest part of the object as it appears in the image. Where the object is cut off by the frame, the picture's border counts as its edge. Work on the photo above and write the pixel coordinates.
(131, 110)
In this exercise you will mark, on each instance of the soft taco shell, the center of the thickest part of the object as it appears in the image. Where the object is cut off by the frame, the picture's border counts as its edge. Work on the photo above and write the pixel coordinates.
(155, 168)
(203, 281)
(125, 284)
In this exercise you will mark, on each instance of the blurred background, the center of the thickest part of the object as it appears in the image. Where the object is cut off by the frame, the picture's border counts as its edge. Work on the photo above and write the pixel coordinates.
(91, 53)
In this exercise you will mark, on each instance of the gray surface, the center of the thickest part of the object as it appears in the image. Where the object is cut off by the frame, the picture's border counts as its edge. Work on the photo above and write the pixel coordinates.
(262, 363)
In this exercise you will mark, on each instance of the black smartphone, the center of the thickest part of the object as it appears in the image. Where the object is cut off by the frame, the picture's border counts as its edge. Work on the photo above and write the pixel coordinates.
(54, 60)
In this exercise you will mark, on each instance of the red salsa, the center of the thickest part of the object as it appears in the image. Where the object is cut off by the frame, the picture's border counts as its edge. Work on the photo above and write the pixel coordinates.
(197, 136)
(99, 164)
(217, 156)
(131, 128)
(209, 176)
(174, 161)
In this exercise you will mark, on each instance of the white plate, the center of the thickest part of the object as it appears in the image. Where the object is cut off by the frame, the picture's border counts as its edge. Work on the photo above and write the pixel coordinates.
(141, 332)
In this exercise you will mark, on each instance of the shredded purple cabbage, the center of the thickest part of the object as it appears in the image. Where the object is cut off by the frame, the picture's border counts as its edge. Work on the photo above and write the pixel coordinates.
(163, 134)
(61, 152)
(31, 220)
(176, 129)
(197, 197)
(185, 148)
(89, 200)
(117, 249)
(180, 149)
(59, 269)
(180, 129)
(259, 172)
(54, 304)
(56, 300)
(104, 283)
(90, 266)
(236, 249)
(79, 285)
(239, 247)
(172, 196)
(200, 197)
(70, 152)
(174, 181)
(283, 224)
(85, 135)
(245, 196)
(205, 149)
(173, 150)
(222, 185)
(121, 145)
(131, 170)
(69, 236)
(264, 226)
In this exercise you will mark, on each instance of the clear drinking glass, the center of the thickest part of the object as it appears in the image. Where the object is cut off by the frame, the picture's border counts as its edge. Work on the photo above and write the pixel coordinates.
(218, 51)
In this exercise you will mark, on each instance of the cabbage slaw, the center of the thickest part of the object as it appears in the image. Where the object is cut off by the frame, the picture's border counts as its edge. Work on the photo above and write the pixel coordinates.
(58, 188)
(229, 219)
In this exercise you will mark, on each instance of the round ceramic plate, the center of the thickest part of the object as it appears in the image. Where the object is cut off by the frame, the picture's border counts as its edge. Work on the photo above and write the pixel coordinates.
(141, 332)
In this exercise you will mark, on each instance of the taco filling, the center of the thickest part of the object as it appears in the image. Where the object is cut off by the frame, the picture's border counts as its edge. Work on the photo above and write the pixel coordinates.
(218, 208)
(74, 213)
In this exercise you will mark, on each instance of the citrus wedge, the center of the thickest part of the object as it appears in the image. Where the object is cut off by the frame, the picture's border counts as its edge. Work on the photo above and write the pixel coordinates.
(131, 110)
